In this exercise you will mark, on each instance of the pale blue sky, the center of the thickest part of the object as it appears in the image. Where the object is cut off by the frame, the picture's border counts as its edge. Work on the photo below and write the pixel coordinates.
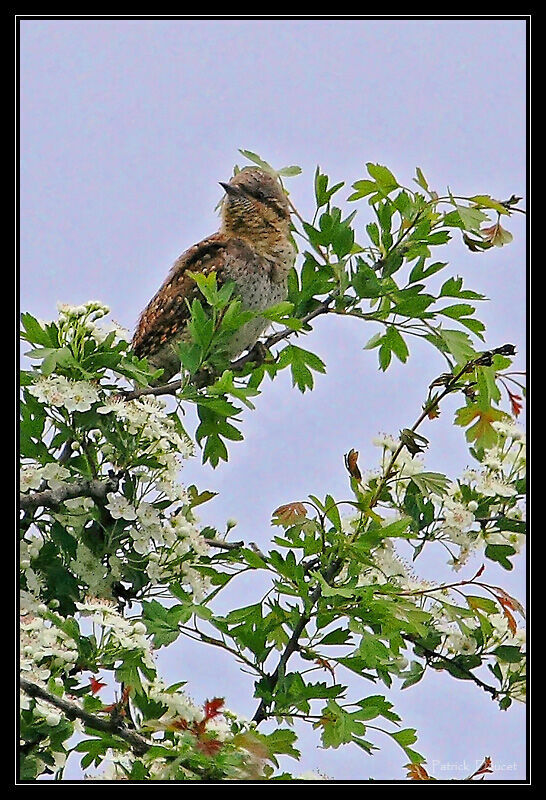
(126, 129)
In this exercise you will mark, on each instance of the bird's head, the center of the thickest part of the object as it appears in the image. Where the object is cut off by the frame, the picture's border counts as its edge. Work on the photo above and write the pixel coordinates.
(255, 205)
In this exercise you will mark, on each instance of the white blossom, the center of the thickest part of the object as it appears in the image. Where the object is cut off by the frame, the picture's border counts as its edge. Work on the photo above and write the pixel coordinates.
(30, 478)
(81, 397)
(119, 507)
(55, 474)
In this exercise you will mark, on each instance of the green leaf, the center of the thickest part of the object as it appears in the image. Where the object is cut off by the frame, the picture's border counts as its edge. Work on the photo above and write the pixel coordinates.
(405, 737)
(281, 742)
(421, 180)
(373, 650)
(396, 343)
(375, 706)
(366, 282)
(457, 310)
(191, 356)
(383, 177)
(363, 189)
(301, 363)
(509, 653)
(385, 355)
(201, 326)
(395, 529)
(332, 512)
(373, 233)
(338, 726)
(500, 553)
(413, 675)
(486, 201)
(413, 306)
(453, 288)
(421, 272)
(374, 341)
(343, 238)
(484, 603)
(34, 332)
(431, 482)
(471, 217)
(289, 172)
(257, 160)
(337, 636)
(459, 344)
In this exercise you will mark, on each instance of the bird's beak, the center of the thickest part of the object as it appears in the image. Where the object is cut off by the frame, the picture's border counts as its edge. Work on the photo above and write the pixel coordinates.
(230, 189)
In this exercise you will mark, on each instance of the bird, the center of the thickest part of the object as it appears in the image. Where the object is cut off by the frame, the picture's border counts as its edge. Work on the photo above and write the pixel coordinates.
(253, 248)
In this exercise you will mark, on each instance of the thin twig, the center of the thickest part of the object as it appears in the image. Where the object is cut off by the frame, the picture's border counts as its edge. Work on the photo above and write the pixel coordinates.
(293, 643)
(433, 655)
(221, 544)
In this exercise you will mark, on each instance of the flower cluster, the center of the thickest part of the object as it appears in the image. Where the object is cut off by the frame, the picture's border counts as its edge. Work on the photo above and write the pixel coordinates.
(46, 649)
(405, 463)
(157, 434)
(75, 320)
(474, 511)
(117, 633)
(60, 392)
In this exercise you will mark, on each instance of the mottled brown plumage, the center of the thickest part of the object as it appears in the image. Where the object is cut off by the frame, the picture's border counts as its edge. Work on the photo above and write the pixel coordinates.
(252, 248)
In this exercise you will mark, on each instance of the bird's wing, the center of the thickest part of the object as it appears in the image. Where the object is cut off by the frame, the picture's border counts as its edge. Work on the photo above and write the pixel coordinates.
(167, 312)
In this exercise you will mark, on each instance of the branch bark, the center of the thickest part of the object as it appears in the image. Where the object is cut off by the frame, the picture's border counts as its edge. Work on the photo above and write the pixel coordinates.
(139, 745)
(54, 498)
(432, 655)
(253, 355)
(293, 643)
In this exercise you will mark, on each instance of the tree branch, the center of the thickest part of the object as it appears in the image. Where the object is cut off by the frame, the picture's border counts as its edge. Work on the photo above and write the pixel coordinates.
(54, 498)
(431, 655)
(138, 743)
(255, 354)
(277, 337)
(221, 544)
(293, 643)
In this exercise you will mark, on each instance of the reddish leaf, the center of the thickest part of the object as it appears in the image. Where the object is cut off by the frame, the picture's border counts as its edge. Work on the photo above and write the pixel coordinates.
(289, 514)
(510, 601)
(179, 724)
(250, 742)
(209, 746)
(508, 614)
(516, 401)
(485, 767)
(95, 685)
(351, 462)
(416, 772)
(322, 662)
(213, 707)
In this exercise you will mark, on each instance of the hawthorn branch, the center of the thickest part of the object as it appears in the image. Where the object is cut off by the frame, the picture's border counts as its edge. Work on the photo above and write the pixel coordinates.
(431, 405)
(275, 338)
(257, 355)
(138, 744)
(199, 636)
(54, 498)
(439, 659)
(293, 643)
(156, 391)
(221, 544)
